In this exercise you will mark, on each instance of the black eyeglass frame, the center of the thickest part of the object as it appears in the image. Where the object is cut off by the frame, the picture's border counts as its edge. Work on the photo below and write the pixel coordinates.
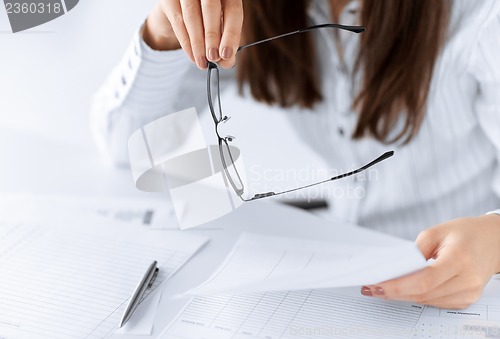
(224, 142)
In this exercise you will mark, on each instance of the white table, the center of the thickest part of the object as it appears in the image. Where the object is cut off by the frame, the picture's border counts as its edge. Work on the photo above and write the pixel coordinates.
(41, 166)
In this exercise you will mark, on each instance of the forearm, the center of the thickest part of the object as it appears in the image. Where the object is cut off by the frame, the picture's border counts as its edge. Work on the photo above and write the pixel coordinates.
(144, 86)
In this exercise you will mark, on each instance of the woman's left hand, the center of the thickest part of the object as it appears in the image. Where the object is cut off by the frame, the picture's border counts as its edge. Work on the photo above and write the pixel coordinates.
(466, 253)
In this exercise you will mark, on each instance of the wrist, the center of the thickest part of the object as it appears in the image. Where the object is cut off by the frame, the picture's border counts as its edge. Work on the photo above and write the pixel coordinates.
(157, 32)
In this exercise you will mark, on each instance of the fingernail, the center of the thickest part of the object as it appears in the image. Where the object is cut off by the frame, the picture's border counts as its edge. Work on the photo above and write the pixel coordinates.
(366, 291)
(202, 62)
(378, 291)
(227, 52)
(213, 54)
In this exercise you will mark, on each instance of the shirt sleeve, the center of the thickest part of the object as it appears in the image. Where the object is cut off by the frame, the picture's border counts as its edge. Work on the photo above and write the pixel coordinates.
(144, 86)
(485, 68)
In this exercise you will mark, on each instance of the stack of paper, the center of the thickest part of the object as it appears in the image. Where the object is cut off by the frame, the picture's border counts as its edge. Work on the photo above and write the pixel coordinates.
(285, 271)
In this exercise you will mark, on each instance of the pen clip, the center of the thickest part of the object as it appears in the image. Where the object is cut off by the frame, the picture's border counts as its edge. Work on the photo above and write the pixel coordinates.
(151, 282)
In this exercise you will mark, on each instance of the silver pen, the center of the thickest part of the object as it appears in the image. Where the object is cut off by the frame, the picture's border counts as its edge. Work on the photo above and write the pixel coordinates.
(145, 283)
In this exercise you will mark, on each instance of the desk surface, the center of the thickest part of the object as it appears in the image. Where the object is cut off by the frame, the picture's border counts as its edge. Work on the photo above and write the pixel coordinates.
(37, 165)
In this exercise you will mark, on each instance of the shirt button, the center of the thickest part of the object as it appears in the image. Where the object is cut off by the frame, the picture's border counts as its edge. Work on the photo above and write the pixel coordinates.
(340, 131)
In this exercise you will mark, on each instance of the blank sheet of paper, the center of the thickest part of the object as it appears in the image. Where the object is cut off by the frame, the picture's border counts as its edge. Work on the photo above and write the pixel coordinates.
(74, 280)
(265, 263)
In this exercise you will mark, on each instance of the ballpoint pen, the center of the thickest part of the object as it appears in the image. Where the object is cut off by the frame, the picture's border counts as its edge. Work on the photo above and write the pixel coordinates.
(145, 283)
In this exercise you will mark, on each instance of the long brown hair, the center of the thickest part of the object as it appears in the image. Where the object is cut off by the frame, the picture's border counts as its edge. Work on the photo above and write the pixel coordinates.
(397, 54)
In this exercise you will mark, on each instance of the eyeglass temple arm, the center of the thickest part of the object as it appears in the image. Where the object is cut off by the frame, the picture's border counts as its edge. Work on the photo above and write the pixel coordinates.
(374, 162)
(354, 29)
(365, 167)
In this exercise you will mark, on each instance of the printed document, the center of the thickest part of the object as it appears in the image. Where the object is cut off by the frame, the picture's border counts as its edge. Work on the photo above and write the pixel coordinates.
(330, 313)
(74, 280)
(262, 294)
(267, 263)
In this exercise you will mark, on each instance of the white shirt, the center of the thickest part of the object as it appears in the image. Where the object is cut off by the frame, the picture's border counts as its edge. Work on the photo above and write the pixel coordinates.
(449, 170)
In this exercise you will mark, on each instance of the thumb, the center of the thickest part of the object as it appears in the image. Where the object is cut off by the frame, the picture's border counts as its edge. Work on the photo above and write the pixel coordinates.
(429, 242)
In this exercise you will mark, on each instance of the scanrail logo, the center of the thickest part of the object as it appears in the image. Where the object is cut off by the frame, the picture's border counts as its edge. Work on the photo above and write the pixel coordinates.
(26, 14)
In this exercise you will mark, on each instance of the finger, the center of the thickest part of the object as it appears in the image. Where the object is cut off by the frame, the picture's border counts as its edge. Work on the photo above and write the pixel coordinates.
(191, 13)
(426, 280)
(419, 283)
(472, 286)
(452, 286)
(428, 241)
(459, 300)
(174, 15)
(211, 10)
(231, 32)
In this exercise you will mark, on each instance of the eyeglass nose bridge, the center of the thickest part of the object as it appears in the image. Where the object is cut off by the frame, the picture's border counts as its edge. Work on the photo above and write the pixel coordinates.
(223, 120)
(221, 132)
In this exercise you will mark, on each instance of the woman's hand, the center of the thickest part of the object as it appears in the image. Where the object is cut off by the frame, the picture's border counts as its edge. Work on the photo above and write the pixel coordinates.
(204, 29)
(466, 253)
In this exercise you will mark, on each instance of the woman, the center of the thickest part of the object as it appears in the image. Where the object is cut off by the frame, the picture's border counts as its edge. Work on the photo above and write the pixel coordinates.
(424, 79)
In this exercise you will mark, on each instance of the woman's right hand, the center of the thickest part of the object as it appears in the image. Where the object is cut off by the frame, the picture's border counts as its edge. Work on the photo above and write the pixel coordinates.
(204, 29)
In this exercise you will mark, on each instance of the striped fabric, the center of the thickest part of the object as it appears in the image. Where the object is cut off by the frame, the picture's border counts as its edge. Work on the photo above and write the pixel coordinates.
(451, 168)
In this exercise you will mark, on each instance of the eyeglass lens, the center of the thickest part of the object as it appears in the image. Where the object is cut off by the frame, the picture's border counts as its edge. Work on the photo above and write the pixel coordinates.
(215, 94)
(229, 166)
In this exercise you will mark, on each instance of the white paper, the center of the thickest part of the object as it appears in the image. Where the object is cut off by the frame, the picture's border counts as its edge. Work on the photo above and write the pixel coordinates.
(329, 313)
(150, 213)
(265, 263)
(142, 320)
(74, 279)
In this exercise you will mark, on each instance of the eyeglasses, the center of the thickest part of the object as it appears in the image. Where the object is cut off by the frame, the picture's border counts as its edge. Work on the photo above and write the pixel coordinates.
(229, 153)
